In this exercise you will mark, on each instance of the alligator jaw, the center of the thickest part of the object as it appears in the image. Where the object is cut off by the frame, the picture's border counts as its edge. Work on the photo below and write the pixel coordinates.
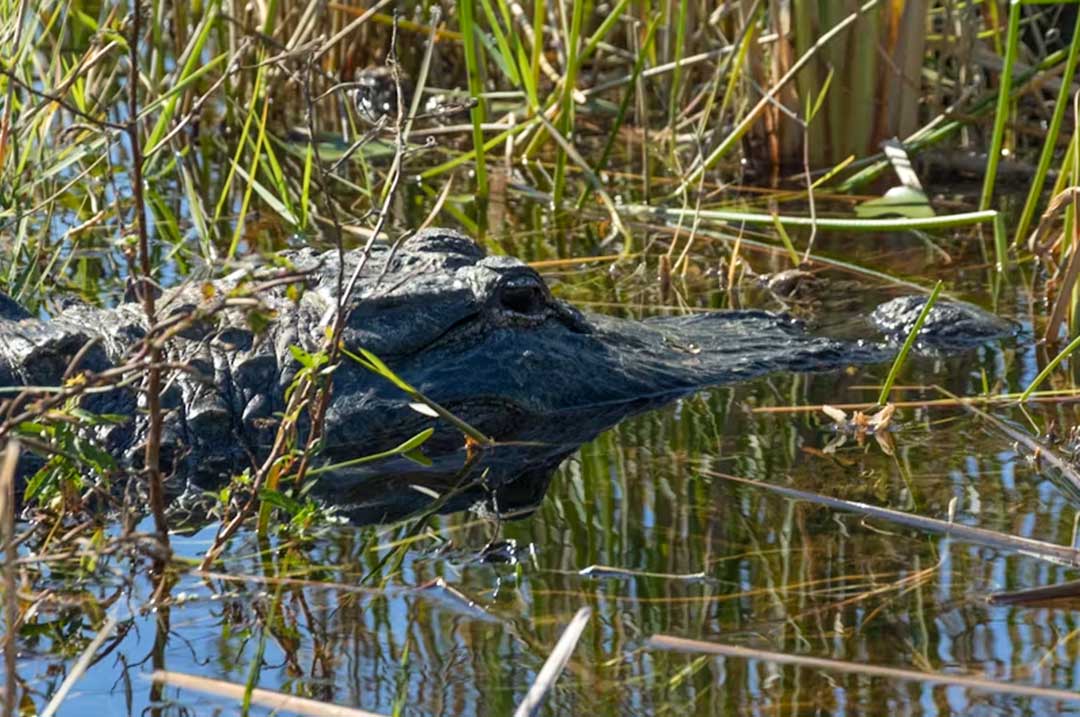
(559, 384)
(541, 396)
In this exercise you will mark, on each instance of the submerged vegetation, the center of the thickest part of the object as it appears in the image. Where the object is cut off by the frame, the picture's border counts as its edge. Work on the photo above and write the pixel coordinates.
(648, 157)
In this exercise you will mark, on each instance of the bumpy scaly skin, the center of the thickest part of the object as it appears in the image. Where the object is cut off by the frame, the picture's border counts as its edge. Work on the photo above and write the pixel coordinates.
(482, 335)
(950, 325)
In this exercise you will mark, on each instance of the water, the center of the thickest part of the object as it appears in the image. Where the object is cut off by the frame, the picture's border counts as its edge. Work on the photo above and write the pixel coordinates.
(460, 620)
(456, 616)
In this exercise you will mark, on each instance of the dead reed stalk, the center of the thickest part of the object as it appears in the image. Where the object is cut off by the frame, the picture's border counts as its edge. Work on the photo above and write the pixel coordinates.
(7, 537)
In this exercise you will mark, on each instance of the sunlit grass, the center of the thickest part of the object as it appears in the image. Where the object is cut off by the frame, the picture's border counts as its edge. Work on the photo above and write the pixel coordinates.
(615, 133)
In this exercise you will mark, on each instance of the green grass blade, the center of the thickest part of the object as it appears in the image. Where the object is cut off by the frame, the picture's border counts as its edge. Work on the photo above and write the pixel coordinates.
(624, 107)
(1052, 133)
(194, 59)
(469, 31)
(508, 58)
(1002, 112)
(223, 198)
(238, 231)
(409, 445)
(676, 74)
(305, 185)
(372, 363)
(898, 364)
(785, 239)
(1001, 249)
(1037, 381)
(566, 110)
(840, 224)
(539, 23)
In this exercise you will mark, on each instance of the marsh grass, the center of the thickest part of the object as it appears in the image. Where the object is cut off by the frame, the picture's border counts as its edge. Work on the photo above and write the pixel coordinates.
(223, 69)
(144, 149)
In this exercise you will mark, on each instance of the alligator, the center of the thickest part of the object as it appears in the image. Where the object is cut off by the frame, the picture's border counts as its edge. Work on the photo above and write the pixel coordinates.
(482, 335)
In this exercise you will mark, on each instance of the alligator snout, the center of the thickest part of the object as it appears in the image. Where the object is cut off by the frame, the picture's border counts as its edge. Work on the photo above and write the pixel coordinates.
(950, 325)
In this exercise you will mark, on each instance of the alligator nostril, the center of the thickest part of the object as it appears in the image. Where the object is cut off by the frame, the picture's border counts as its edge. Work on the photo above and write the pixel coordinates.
(522, 299)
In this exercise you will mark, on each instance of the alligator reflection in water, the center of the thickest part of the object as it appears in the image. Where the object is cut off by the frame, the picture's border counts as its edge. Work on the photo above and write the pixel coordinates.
(509, 479)
(481, 335)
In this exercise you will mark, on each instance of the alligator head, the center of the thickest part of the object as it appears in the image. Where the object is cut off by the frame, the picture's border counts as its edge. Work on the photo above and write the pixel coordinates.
(484, 337)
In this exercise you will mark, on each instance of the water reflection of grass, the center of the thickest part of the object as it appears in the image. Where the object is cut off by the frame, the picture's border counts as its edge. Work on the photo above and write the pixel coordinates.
(581, 124)
(780, 573)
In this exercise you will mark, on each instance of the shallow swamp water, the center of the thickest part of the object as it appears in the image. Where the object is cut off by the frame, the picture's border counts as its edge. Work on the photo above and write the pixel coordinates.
(738, 551)
(455, 616)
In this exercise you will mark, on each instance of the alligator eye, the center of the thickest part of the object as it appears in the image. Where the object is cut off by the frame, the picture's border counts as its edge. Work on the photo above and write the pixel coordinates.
(522, 299)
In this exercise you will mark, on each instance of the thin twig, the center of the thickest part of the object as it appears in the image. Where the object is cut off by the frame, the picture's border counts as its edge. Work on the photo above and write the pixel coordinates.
(11, 605)
(1069, 590)
(679, 644)
(1037, 448)
(100, 123)
(959, 402)
(554, 664)
(352, 26)
(276, 701)
(979, 536)
(152, 454)
(80, 666)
